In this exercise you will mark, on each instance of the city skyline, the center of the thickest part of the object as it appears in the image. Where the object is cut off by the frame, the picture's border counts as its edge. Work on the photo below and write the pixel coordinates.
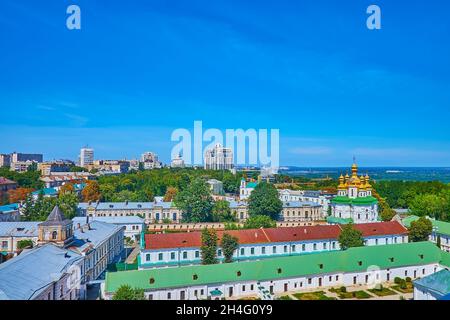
(134, 74)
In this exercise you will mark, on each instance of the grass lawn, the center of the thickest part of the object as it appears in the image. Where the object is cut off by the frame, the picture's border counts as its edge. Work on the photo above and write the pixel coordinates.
(319, 295)
(285, 298)
(351, 295)
(409, 288)
(383, 292)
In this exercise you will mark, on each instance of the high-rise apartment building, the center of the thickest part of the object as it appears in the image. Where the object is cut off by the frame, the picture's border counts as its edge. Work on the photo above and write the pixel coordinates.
(218, 158)
(86, 157)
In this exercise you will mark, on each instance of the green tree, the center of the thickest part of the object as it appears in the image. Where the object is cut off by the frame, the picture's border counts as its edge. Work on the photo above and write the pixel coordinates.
(350, 237)
(209, 246)
(420, 230)
(264, 200)
(259, 221)
(125, 292)
(22, 244)
(431, 205)
(229, 245)
(195, 202)
(221, 212)
(68, 203)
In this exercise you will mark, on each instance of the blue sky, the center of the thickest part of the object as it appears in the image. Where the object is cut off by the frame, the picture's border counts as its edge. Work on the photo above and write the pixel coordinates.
(137, 70)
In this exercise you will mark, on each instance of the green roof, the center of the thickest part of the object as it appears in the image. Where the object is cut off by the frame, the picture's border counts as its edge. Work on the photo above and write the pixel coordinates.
(442, 227)
(336, 220)
(354, 259)
(252, 185)
(445, 259)
(363, 201)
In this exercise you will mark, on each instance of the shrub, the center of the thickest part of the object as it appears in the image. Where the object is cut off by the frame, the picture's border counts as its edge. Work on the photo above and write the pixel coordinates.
(408, 279)
(397, 280)
(343, 289)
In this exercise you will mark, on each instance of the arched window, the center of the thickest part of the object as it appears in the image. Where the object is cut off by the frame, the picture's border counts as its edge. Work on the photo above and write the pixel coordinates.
(54, 235)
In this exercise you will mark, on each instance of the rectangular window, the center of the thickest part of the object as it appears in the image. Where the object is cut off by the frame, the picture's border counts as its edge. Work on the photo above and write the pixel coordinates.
(285, 248)
(219, 253)
(263, 250)
(243, 288)
(303, 247)
(185, 255)
(293, 248)
(274, 249)
(252, 251)
(309, 280)
(197, 254)
(169, 296)
(334, 245)
(242, 251)
(4, 244)
(147, 257)
(160, 256)
(315, 246)
(324, 246)
(172, 255)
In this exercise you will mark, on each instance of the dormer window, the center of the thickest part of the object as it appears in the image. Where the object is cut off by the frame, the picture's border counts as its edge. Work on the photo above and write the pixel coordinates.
(238, 273)
(359, 263)
(195, 277)
(391, 259)
(421, 256)
(321, 266)
(152, 280)
(279, 270)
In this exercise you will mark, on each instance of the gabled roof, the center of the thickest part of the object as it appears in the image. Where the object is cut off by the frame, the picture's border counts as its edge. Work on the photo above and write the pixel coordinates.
(351, 260)
(272, 235)
(27, 275)
(381, 228)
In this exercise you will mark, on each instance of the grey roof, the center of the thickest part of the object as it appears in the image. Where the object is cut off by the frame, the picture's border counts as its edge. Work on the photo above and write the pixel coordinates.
(299, 204)
(56, 217)
(236, 204)
(113, 220)
(126, 205)
(19, 229)
(312, 193)
(438, 282)
(27, 275)
(87, 239)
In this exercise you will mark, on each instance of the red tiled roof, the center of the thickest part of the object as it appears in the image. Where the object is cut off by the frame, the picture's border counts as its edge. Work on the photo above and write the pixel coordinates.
(194, 239)
(318, 232)
(246, 236)
(381, 228)
(271, 235)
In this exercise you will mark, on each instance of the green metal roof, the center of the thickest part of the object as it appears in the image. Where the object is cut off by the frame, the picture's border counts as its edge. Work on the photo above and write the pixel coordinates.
(356, 201)
(336, 220)
(442, 227)
(286, 267)
(252, 185)
(445, 259)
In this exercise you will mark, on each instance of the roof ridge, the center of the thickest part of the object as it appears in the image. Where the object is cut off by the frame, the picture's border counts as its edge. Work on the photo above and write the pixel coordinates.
(267, 237)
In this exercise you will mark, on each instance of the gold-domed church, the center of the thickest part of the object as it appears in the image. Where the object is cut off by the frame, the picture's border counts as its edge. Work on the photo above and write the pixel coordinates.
(354, 201)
